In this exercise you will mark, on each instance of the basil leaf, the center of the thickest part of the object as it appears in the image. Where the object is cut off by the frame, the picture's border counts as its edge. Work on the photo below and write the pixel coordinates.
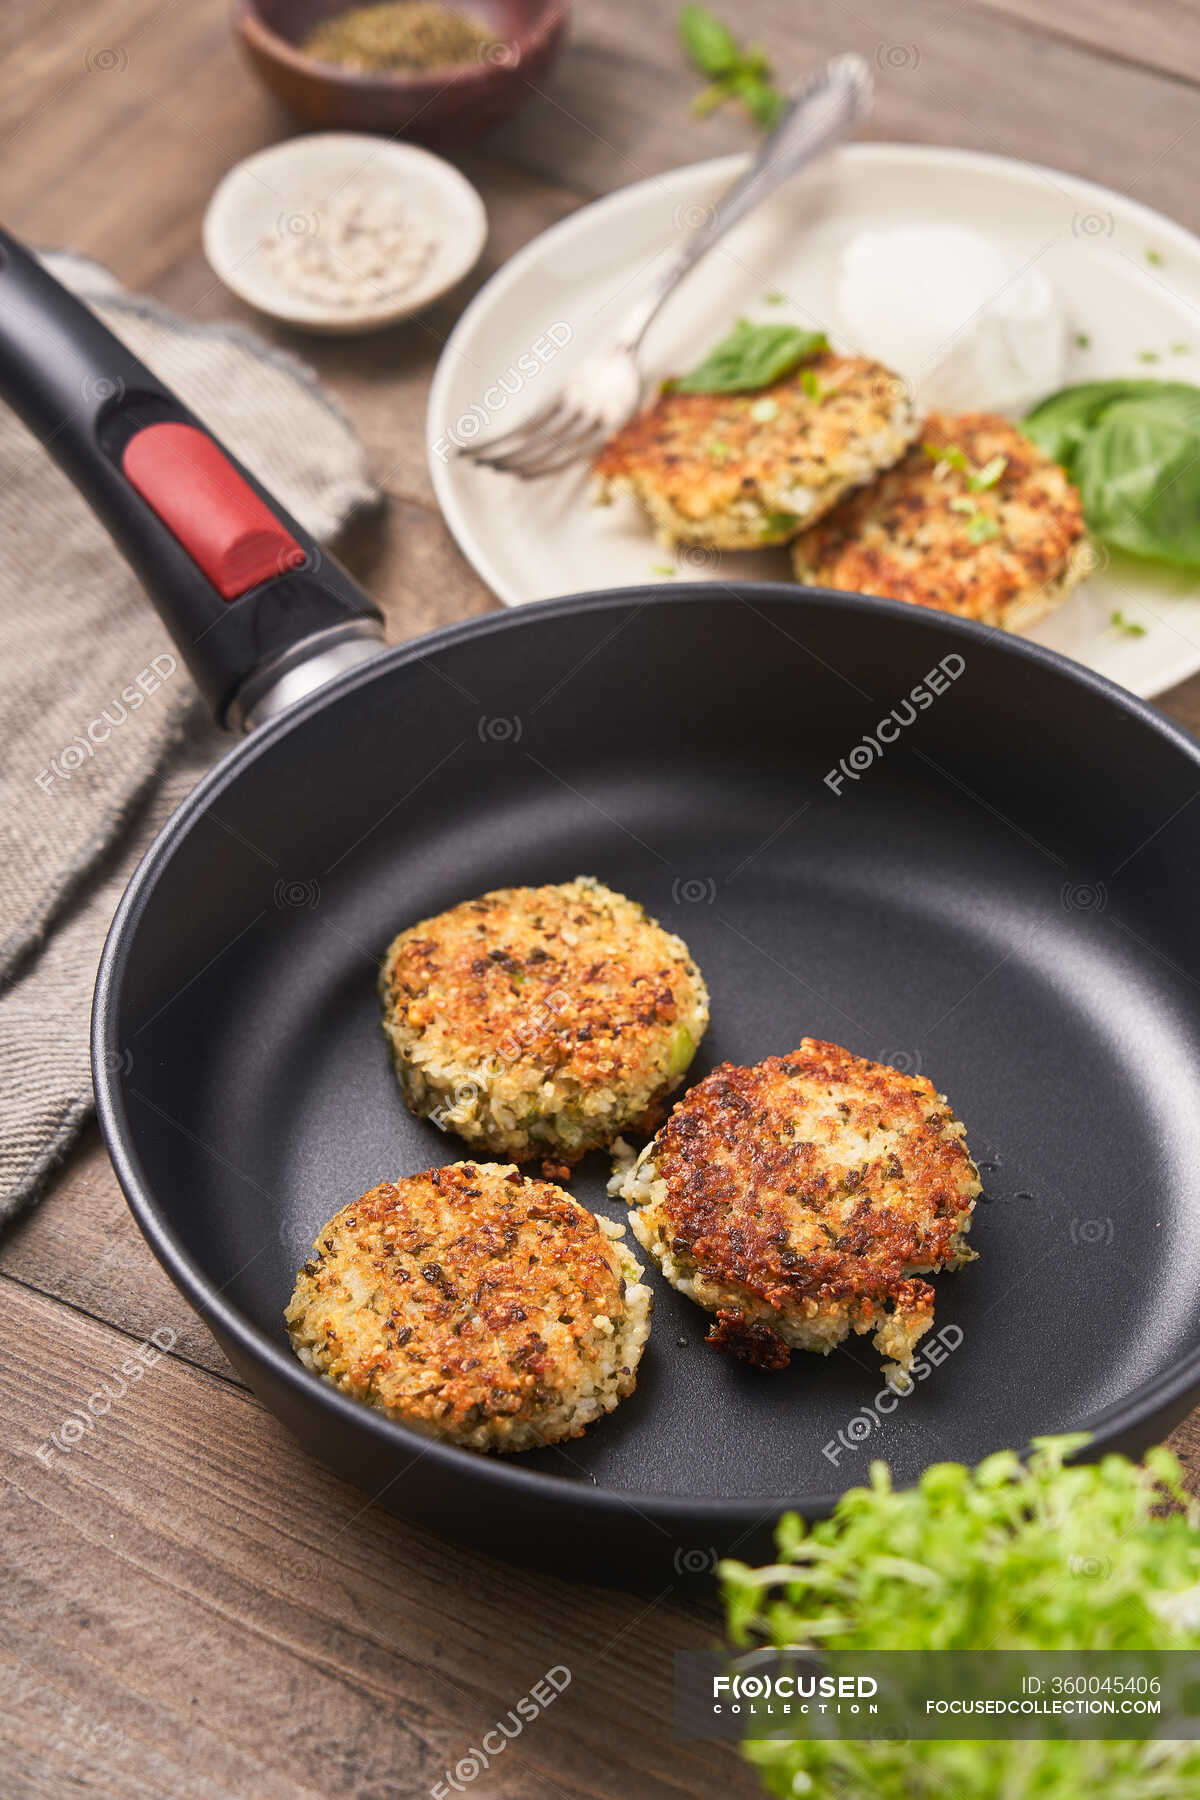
(1133, 450)
(1139, 478)
(1060, 424)
(710, 44)
(764, 102)
(752, 357)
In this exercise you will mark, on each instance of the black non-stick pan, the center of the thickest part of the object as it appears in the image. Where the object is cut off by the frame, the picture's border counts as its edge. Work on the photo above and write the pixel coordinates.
(940, 846)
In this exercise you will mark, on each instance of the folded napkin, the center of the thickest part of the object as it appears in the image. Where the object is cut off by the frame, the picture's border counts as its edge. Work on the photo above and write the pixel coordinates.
(103, 732)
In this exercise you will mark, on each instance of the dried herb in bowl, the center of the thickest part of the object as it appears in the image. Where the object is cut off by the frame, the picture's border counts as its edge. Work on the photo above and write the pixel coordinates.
(398, 37)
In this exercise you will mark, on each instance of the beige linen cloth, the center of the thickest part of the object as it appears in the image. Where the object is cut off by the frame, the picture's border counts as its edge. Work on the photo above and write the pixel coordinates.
(103, 733)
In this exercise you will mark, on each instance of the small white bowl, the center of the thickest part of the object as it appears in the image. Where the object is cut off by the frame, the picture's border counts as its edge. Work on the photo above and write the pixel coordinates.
(260, 195)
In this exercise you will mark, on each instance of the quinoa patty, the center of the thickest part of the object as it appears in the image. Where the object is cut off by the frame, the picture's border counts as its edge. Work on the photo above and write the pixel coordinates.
(541, 1021)
(803, 1198)
(736, 471)
(474, 1305)
(992, 531)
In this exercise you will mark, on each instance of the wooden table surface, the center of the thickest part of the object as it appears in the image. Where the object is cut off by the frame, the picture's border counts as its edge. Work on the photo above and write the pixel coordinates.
(191, 1607)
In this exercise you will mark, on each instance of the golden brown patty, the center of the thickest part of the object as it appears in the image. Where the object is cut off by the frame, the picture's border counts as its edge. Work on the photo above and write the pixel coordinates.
(473, 1305)
(537, 1021)
(801, 1199)
(736, 471)
(1004, 553)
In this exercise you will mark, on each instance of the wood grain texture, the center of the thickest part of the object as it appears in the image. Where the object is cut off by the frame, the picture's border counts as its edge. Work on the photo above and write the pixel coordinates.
(195, 1588)
(191, 1608)
(1163, 35)
(953, 73)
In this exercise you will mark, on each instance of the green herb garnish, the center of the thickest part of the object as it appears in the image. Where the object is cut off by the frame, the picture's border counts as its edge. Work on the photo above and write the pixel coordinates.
(1082, 341)
(774, 296)
(662, 568)
(948, 454)
(982, 528)
(988, 476)
(779, 525)
(1148, 356)
(1131, 448)
(735, 71)
(811, 386)
(1127, 627)
(751, 357)
(1155, 257)
(1181, 349)
(1042, 1556)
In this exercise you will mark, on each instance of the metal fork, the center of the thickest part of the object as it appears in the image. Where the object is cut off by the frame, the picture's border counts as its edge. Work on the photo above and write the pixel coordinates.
(606, 388)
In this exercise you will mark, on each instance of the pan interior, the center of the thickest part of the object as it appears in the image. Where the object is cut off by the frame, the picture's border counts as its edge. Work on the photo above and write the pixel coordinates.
(997, 897)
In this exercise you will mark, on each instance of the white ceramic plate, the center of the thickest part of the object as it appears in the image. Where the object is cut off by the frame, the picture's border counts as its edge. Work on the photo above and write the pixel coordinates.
(284, 187)
(1128, 278)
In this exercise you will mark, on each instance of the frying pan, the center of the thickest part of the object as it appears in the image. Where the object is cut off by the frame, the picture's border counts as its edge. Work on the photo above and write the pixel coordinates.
(941, 846)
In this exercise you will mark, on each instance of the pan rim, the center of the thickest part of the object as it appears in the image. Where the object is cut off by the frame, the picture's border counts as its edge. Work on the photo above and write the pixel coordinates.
(1151, 1399)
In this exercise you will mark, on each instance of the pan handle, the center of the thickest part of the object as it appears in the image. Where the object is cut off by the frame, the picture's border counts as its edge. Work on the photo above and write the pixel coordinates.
(259, 612)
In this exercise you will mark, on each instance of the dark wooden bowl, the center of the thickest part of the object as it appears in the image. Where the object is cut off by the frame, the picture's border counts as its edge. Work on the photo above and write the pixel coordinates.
(448, 108)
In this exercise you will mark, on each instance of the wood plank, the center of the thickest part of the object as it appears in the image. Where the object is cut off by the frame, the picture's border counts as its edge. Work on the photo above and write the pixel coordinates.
(237, 1619)
(621, 98)
(82, 1247)
(1164, 37)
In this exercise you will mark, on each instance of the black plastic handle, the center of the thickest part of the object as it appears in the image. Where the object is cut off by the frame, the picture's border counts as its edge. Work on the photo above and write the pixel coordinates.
(89, 401)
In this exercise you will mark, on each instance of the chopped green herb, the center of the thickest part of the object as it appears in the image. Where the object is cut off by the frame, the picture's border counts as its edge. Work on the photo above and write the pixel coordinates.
(718, 449)
(662, 568)
(1082, 341)
(989, 475)
(735, 71)
(752, 357)
(763, 411)
(1181, 349)
(774, 296)
(811, 386)
(779, 525)
(1127, 627)
(999, 1551)
(1148, 356)
(1155, 257)
(981, 529)
(948, 454)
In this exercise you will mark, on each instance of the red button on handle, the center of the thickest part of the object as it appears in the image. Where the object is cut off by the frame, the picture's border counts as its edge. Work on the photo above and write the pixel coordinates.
(231, 534)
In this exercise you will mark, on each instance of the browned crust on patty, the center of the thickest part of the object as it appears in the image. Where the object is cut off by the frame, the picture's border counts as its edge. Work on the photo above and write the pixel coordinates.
(465, 1301)
(808, 1195)
(549, 1019)
(749, 1342)
(789, 1218)
(908, 536)
(712, 469)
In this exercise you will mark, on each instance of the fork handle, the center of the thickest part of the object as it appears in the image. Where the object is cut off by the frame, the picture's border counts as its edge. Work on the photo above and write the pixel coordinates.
(823, 112)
